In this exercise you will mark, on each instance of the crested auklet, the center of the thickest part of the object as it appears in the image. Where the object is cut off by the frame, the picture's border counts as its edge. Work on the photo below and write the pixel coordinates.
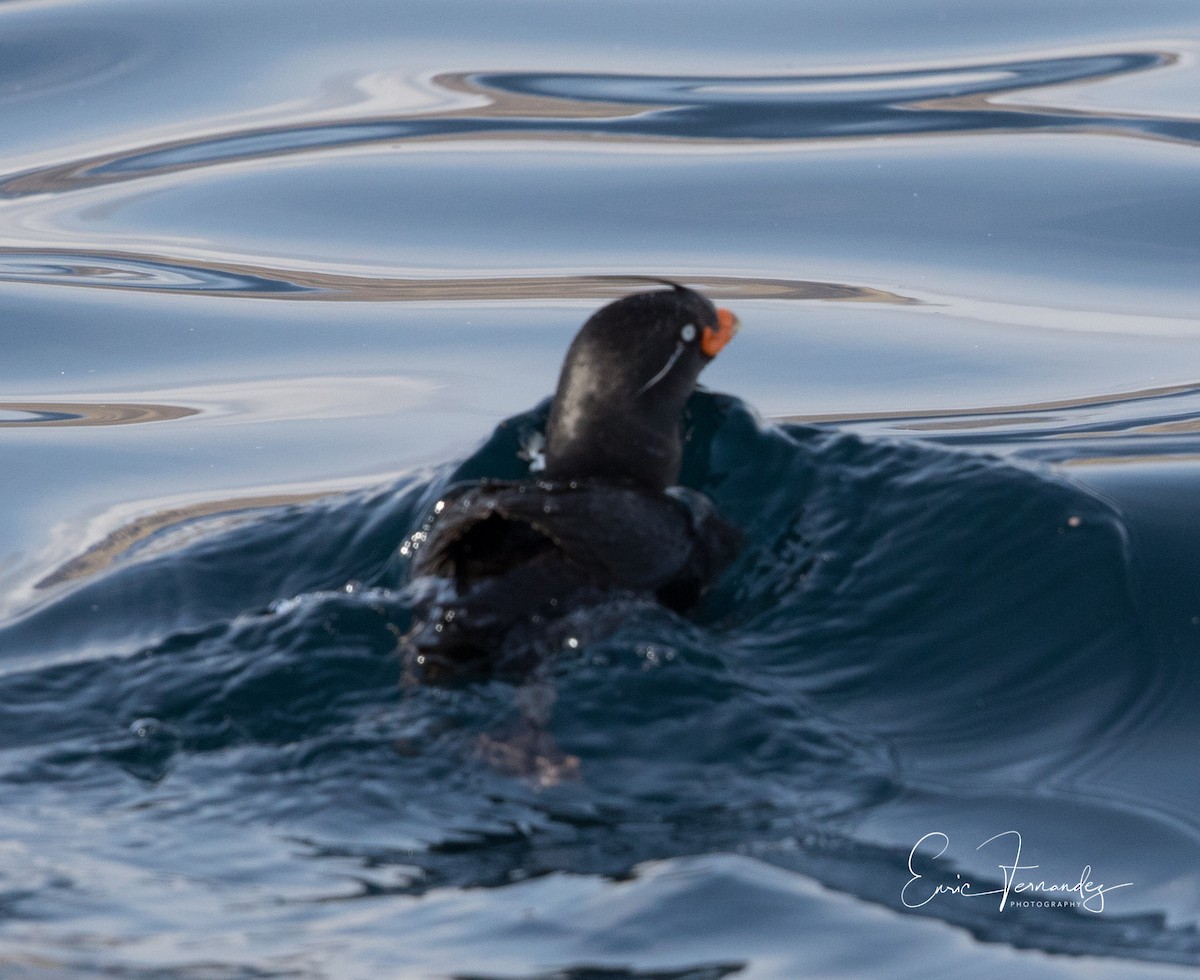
(501, 559)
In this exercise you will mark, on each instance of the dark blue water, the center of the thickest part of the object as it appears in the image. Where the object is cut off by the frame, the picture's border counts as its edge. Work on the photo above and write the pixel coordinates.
(273, 275)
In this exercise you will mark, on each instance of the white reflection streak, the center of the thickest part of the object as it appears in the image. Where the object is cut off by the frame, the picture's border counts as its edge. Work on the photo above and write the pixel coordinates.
(276, 399)
(825, 86)
(1061, 318)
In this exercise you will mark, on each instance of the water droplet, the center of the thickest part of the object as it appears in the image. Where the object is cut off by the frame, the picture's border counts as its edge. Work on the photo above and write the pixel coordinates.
(146, 727)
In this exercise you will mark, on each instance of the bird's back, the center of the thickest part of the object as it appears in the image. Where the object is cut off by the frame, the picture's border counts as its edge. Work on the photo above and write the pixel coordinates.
(512, 553)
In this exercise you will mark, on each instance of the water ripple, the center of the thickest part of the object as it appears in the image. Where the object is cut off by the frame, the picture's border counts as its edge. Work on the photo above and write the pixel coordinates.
(222, 277)
(864, 648)
(115, 270)
(1118, 422)
(943, 100)
(43, 414)
(34, 63)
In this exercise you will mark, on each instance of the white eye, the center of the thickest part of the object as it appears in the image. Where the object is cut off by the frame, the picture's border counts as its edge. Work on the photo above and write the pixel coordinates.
(688, 333)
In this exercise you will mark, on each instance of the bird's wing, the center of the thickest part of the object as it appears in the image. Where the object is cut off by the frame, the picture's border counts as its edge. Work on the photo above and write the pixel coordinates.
(620, 536)
(473, 538)
(630, 538)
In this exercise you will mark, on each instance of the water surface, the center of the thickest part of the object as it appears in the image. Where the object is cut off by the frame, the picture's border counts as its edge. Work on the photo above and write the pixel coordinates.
(272, 276)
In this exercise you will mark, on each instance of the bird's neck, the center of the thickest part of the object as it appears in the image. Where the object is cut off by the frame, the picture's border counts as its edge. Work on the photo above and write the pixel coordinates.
(607, 441)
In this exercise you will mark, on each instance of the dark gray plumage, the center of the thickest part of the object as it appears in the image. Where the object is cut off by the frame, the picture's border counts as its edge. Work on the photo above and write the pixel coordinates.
(502, 558)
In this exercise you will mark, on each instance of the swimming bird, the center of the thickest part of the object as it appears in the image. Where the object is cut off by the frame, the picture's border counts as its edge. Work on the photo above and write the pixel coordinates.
(501, 559)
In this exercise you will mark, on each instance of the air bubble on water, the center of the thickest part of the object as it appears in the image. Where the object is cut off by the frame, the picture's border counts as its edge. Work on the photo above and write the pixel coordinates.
(146, 727)
(653, 655)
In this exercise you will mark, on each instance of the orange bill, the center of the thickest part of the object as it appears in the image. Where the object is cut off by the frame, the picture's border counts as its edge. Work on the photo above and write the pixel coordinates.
(715, 338)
